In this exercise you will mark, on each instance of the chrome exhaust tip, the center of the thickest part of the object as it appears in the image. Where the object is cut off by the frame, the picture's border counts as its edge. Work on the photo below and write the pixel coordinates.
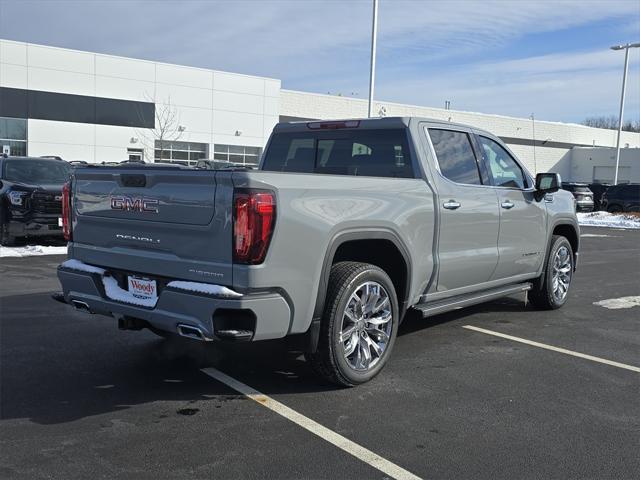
(189, 331)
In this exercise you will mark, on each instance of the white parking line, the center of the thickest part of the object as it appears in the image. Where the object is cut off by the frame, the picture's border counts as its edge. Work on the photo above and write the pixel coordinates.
(554, 349)
(361, 453)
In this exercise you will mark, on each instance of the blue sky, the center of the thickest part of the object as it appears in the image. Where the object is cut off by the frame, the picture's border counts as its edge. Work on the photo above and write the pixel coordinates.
(548, 57)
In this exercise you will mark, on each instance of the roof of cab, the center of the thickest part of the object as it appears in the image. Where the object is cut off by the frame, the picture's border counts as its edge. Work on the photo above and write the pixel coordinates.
(375, 123)
(23, 158)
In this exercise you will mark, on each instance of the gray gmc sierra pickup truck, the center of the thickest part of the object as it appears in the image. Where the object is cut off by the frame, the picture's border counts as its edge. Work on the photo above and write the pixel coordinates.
(344, 227)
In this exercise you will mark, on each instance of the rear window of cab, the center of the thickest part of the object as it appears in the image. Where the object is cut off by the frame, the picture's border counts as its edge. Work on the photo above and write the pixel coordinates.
(358, 152)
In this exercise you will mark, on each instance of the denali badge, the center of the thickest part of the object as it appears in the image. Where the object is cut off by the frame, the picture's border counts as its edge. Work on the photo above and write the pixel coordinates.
(134, 204)
(137, 238)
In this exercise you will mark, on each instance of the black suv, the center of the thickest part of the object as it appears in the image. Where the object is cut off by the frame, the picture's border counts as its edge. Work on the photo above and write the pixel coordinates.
(598, 190)
(624, 197)
(582, 194)
(31, 197)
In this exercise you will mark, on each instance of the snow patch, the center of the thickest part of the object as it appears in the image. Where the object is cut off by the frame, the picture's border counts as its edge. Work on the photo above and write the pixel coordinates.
(111, 287)
(204, 288)
(606, 219)
(617, 303)
(31, 250)
(74, 264)
(114, 292)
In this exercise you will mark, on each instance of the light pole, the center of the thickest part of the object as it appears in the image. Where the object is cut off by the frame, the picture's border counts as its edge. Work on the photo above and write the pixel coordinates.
(372, 72)
(533, 128)
(624, 84)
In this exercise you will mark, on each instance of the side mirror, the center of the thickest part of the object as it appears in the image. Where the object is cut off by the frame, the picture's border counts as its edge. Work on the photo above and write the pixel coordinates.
(547, 183)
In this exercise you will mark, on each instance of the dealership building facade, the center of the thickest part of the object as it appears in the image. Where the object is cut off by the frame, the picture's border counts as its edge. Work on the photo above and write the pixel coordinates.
(101, 108)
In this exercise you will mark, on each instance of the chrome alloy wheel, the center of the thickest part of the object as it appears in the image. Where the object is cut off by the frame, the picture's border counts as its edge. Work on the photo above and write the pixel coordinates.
(366, 326)
(562, 270)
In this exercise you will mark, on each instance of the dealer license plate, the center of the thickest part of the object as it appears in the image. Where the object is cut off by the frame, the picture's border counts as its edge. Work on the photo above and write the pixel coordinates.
(142, 288)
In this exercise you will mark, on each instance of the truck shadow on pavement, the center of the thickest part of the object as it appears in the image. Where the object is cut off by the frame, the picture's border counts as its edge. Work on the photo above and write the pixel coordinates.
(60, 366)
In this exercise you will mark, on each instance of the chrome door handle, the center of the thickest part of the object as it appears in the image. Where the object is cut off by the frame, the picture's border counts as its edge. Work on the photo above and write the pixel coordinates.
(507, 204)
(451, 205)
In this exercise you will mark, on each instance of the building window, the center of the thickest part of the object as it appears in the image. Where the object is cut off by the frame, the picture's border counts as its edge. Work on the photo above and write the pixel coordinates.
(243, 155)
(184, 153)
(64, 107)
(135, 154)
(13, 136)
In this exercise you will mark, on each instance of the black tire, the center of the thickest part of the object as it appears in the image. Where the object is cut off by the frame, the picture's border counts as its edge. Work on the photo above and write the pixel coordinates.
(542, 294)
(329, 360)
(614, 208)
(6, 239)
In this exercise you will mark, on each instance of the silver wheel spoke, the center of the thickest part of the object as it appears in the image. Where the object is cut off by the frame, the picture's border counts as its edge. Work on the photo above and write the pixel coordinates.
(374, 345)
(347, 333)
(366, 353)
(379, 335)
(381, 320)
(350, 315)
(372, 298)
(383, 303)
(366, 296)
(358, 354)
(351, 346)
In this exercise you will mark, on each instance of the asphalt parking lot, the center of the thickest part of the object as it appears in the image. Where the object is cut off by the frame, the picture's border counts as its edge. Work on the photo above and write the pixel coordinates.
(81, 399)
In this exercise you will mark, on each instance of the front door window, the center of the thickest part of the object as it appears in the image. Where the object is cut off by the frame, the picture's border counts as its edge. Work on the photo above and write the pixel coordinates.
(502, 167)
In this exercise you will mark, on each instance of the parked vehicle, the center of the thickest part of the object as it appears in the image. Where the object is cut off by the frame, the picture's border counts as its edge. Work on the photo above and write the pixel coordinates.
(624, 197)
(598, 190)
(31, 197)
(345, 227)
(75, 163)
(217, 164)
(582, 194)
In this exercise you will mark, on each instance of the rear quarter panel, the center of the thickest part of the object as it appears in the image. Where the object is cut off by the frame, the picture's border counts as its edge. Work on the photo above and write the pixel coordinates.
(313, 209)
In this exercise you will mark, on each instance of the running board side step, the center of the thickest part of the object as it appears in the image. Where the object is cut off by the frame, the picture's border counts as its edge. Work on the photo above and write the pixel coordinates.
(461, 301)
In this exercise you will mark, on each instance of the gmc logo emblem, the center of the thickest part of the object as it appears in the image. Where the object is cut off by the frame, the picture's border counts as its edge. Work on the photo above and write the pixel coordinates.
(134, 204)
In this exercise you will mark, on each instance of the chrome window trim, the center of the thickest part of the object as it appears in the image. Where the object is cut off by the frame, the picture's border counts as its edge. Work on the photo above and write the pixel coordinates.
(453, 128)
(456, 128)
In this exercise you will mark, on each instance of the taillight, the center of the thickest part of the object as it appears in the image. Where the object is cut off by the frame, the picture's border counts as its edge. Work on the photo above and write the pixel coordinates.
(66, 211)
(254, 219)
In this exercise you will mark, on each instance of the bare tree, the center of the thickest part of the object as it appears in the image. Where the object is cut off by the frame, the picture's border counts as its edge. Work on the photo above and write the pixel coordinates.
(166, 129)
(611, 123)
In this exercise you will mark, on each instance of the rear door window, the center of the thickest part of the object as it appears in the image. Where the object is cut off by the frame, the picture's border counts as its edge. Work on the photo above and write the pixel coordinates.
(374, 153)
(455, 156)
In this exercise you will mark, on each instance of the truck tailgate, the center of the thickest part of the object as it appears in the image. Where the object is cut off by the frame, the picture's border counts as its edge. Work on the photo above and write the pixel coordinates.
(158, 221)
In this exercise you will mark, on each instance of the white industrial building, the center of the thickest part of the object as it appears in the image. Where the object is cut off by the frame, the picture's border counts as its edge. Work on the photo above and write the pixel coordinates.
(94, 107)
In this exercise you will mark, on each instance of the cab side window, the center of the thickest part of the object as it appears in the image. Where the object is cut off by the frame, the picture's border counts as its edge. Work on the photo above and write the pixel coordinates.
(455, 156)
(502, 167)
